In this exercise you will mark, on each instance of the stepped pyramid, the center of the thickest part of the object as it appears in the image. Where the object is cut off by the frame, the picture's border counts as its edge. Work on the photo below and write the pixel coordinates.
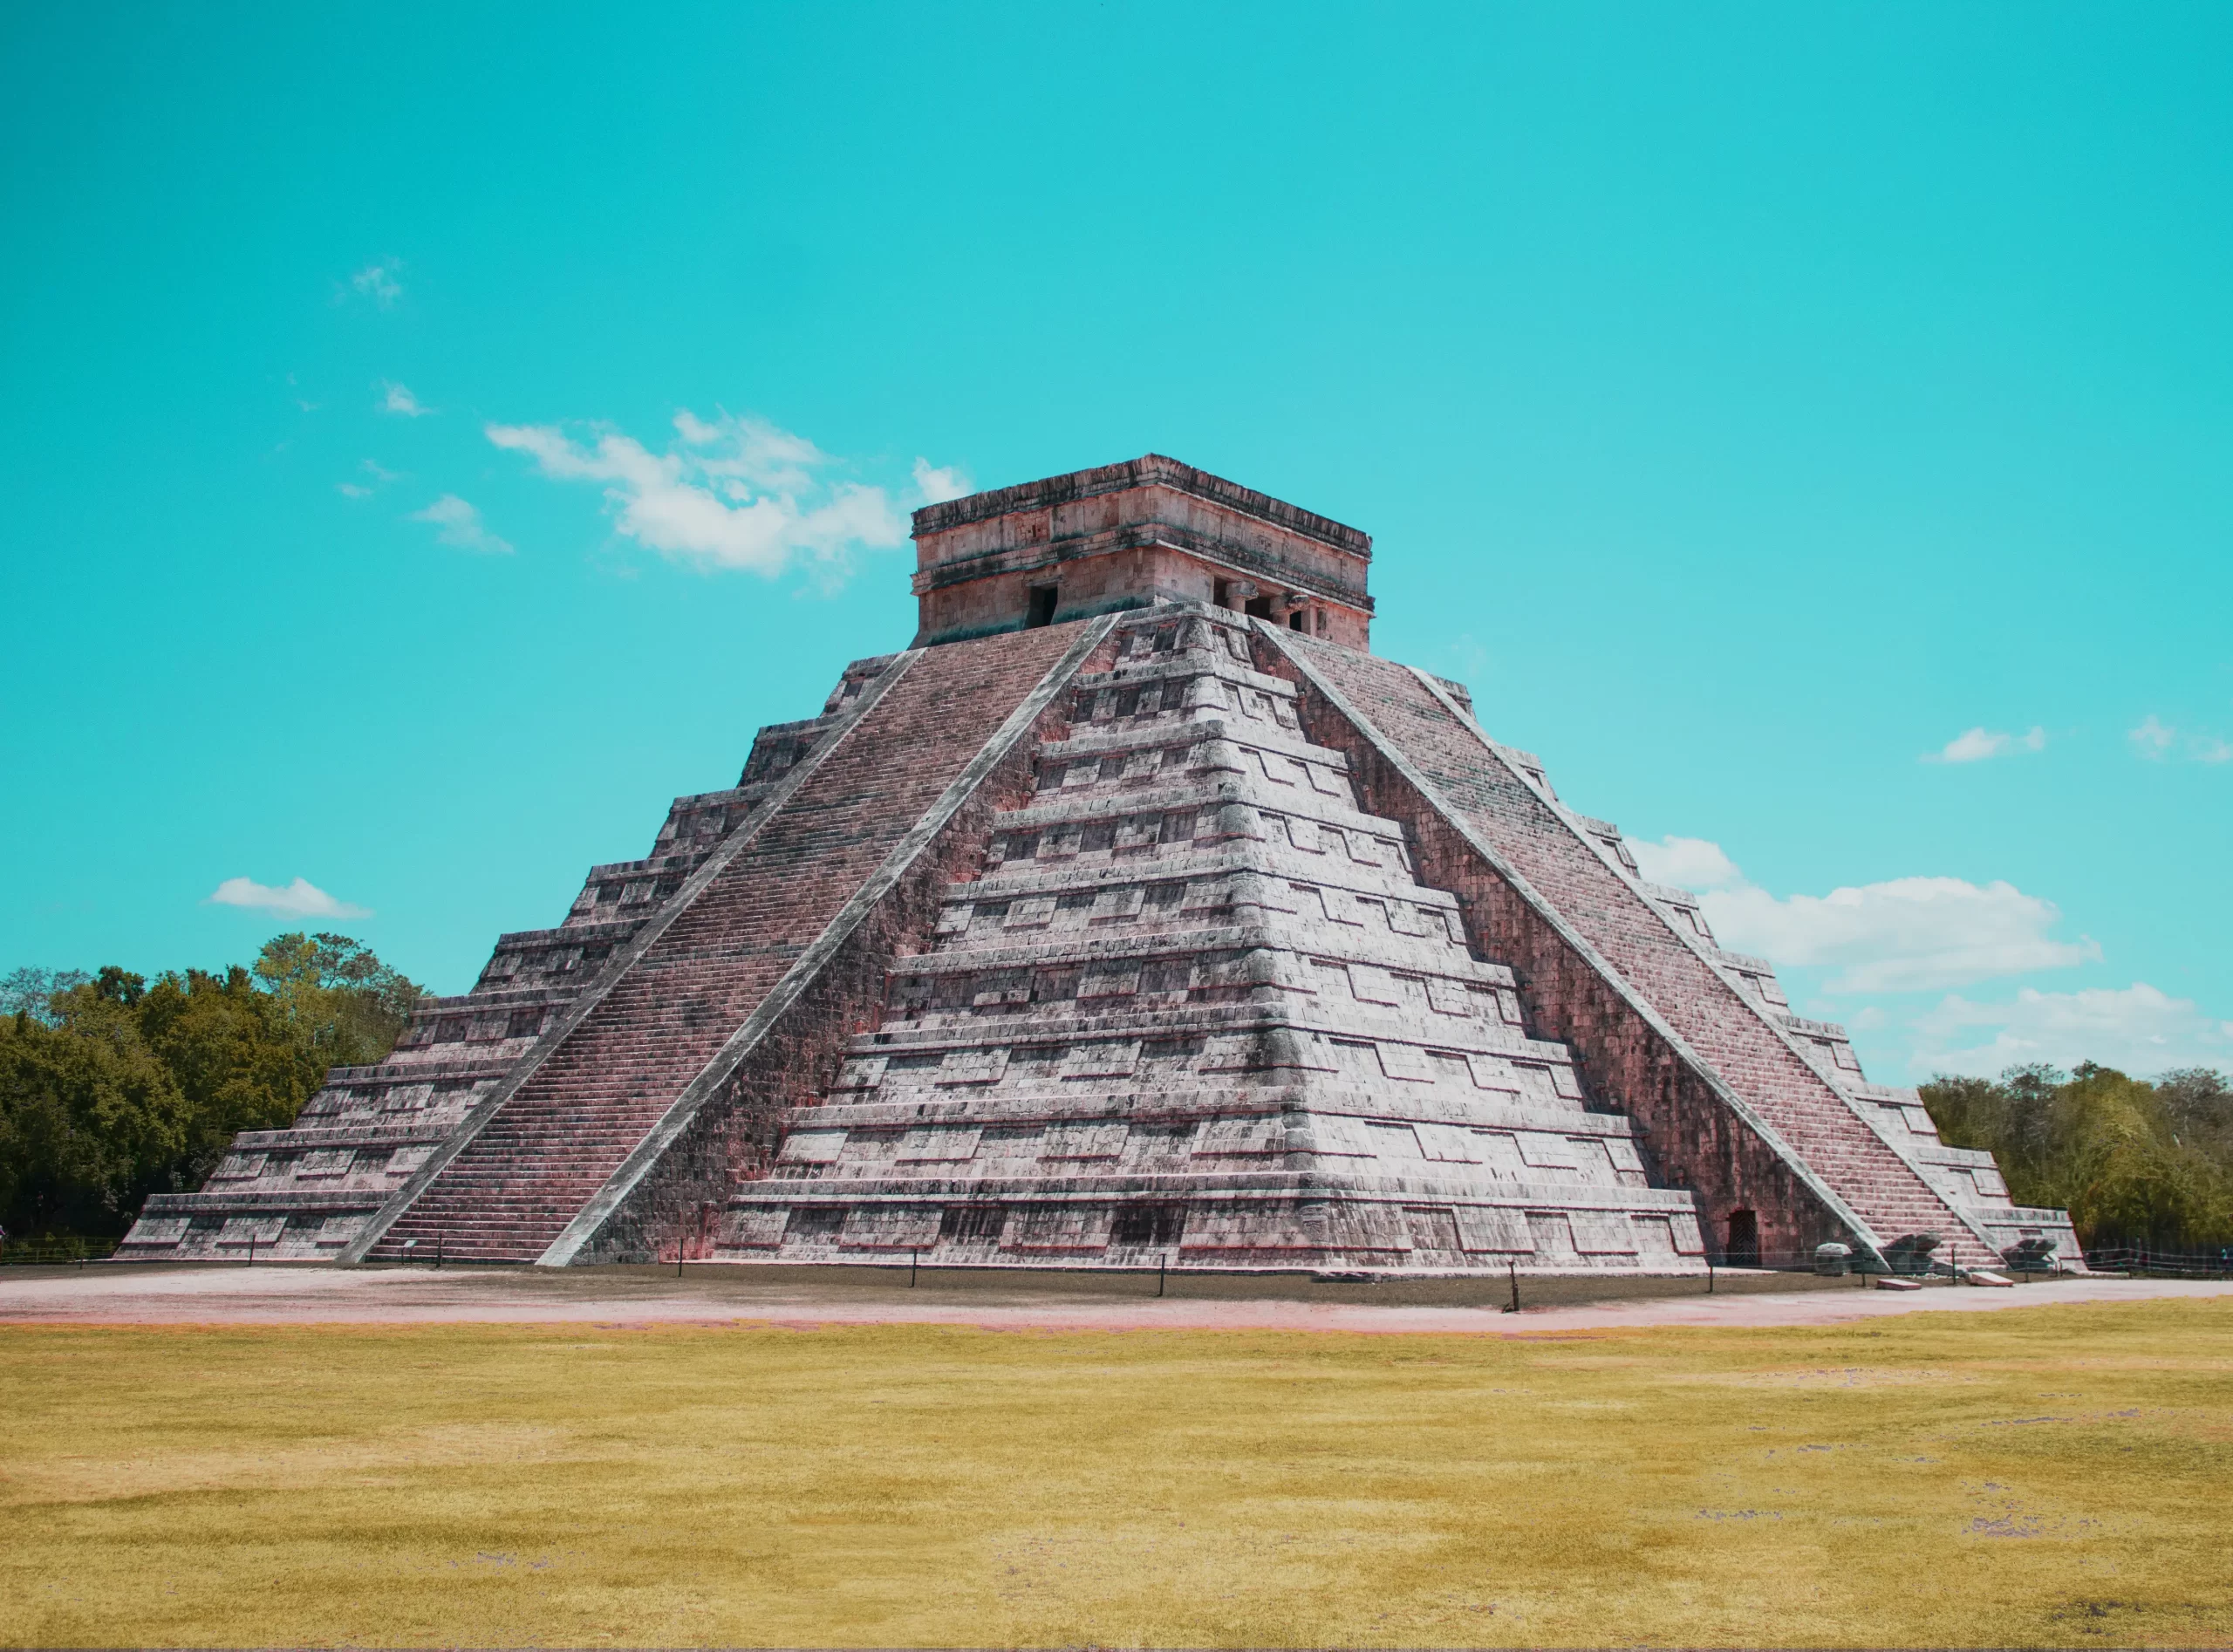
(1136, 914)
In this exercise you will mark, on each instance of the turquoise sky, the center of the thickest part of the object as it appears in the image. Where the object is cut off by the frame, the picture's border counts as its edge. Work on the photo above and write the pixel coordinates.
(434, 436)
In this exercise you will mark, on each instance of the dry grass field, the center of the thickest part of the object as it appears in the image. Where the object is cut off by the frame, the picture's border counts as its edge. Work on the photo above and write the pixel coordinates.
(2051, 1475)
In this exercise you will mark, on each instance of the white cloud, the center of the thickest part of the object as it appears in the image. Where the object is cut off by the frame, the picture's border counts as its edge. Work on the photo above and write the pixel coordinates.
(2151, 740)
(2155, 741)
(1903, 935)
(398, 400)
(731, 493)
(1687, 862)
(379, 474)
(939, 483)
(301, 898)
(377, 282)
(1975, 745)
(459, 523)
(2138, 1030)
(1906, 934)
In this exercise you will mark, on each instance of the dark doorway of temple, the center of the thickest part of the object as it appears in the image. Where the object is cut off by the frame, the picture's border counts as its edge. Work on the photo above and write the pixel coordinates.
(1260, 608)
(1043, 608)
(1744, 1247)
(1149, 1224)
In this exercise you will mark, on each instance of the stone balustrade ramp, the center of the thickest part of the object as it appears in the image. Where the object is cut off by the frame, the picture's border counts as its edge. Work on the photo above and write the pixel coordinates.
(1421, 742)
(510, 1187)
(1199, 1010)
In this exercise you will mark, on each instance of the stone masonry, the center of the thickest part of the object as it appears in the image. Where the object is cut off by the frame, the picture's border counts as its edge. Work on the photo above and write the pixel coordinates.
(1137, 916)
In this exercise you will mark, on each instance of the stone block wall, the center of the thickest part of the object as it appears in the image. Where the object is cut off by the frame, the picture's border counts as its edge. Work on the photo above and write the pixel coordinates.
(1758, 1110)
(306, 1193)
(1199, 1006)
(516, 1178)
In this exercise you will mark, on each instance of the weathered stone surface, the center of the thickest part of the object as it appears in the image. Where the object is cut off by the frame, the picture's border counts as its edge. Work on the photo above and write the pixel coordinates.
(1176, 928)
(1128, 535)
(1766, 1115)
(1198, 1005)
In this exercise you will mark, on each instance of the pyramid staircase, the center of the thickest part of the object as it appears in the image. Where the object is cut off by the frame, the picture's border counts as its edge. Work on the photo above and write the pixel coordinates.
(1199, 1006)
(515, 1177)
(315, 1191)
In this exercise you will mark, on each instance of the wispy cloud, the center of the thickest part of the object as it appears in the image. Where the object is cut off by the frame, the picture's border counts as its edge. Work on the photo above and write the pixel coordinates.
(398, 400)
(378, 283)
(1687, 862)
(2156, 741)
(301, 898)
(459, 523)
(937, 483)
(1905, 934)
(380, 477)
(1975, 745)
(2138, 1028)
(731, 492)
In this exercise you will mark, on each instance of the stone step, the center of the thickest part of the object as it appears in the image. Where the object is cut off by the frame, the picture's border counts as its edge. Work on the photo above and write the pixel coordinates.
(562, 1133)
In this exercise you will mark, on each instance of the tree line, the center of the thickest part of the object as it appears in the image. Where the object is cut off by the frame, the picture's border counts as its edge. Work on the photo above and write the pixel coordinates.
(2133, 1163)
(113, 1087)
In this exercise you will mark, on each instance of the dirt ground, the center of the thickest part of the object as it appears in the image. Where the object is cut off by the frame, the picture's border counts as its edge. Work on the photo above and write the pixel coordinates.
(188, 1294)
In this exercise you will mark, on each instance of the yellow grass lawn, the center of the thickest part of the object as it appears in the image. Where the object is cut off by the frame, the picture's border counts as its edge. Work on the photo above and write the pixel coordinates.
(2046, 1475)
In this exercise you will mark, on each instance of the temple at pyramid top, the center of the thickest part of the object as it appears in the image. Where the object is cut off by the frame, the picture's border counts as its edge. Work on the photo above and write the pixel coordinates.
(1128, 535)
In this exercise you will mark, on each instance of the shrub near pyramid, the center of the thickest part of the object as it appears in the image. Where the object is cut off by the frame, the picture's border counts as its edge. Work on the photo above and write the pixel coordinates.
(1136, 915)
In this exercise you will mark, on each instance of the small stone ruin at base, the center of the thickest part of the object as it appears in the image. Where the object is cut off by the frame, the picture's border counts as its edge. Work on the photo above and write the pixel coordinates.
(1136, 916)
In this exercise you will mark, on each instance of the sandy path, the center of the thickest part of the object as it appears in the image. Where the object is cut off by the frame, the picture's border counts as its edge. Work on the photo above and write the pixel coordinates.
(396, 1296)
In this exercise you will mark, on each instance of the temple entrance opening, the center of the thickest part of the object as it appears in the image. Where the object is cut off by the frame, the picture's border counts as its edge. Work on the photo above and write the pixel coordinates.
(1744, 1247)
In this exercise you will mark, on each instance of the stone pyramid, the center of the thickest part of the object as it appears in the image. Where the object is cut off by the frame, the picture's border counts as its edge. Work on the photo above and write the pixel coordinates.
(1135, 916)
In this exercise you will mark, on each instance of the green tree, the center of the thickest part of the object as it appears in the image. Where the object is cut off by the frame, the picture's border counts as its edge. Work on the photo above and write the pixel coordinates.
(2199, 1104)
(234, 1057)
(30, 992)
(91, 1121)
(2132, 1162)
(112, 1089)
(337, 997)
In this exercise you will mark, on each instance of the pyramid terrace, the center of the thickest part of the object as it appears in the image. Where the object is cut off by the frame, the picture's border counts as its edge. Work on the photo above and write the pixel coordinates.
(1135, 915)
